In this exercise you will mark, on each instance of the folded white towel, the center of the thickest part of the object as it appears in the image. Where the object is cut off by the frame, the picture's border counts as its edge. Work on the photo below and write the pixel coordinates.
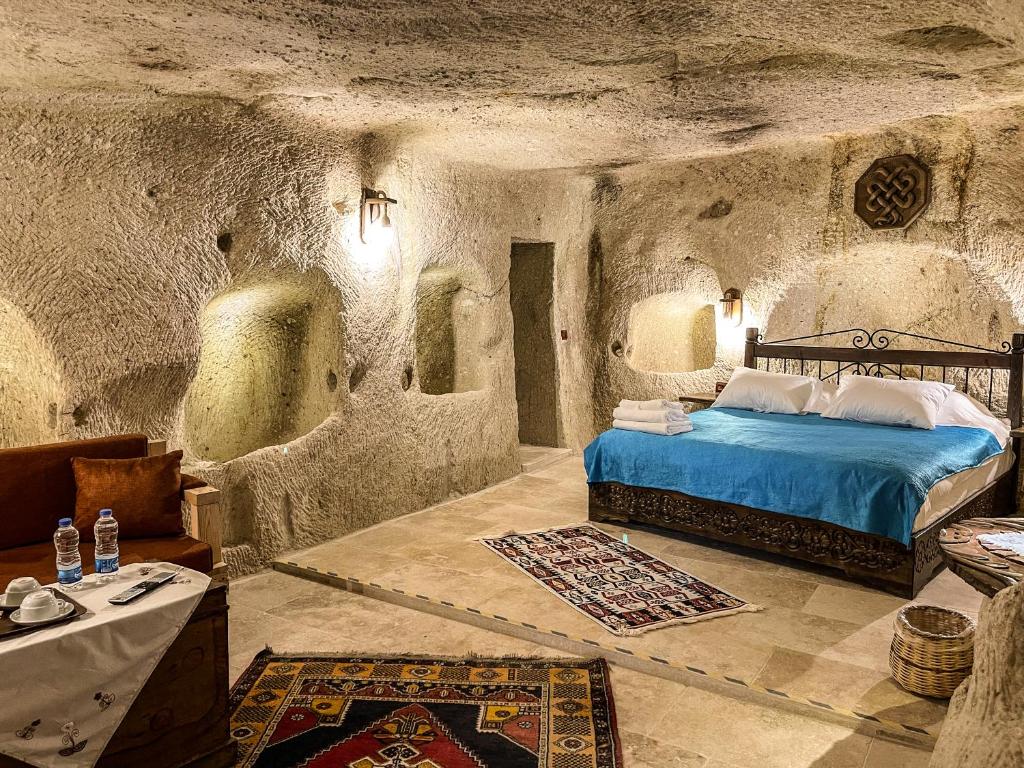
(665, 415)
(651, 405)
(654, 428)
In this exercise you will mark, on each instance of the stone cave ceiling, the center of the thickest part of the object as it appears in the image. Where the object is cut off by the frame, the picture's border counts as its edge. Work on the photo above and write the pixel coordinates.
(536, 84)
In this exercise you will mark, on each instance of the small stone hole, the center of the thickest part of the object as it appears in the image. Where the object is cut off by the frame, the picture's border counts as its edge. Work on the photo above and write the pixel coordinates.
(356, 377)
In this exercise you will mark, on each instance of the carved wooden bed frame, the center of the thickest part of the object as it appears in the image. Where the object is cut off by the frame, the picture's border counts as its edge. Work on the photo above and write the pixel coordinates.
(869, 558)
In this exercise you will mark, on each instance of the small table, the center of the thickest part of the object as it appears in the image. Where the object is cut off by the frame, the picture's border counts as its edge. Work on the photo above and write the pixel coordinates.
(180, 715)
(699, 400)
(985, 570)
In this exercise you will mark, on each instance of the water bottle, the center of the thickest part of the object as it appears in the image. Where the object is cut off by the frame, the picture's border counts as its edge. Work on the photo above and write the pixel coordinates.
(105, 535)
(69, 561)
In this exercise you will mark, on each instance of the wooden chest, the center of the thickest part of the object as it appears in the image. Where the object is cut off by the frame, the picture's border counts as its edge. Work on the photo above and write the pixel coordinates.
(181, 716)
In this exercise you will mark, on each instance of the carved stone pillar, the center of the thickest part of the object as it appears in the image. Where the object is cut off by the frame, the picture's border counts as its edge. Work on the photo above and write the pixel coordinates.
(985, 724)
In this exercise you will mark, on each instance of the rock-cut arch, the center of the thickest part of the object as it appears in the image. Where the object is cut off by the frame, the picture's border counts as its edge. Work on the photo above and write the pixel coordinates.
(268, 366)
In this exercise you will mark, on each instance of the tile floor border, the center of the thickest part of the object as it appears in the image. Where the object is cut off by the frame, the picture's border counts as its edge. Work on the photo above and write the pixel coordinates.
(676, 671)
(552, 456)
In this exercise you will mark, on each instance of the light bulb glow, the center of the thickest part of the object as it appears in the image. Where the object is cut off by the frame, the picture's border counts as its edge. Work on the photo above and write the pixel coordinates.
(380, 233)
(375, 220)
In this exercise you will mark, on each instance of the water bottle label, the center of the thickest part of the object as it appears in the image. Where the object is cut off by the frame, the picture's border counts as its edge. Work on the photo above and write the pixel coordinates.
(69, 575)
(107, 564)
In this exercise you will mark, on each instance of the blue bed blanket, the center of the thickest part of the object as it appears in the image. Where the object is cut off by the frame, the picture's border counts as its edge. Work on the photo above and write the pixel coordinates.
(866, 477)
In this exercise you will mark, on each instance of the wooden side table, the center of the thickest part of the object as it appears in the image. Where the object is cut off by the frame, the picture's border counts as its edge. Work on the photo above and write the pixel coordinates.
(986, 570)
(181, 716)
(699, 400)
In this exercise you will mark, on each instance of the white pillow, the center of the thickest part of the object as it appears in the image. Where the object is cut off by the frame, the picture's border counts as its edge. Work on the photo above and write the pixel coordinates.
(889, 401)
(824, 393)
(962, 410)
(754, 390)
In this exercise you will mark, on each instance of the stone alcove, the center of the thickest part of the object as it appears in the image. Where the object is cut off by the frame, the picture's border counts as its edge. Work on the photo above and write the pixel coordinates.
(448, 352)
(904, 287)
(909, 287)
(271, 352)
(30, 388)
(672, 332)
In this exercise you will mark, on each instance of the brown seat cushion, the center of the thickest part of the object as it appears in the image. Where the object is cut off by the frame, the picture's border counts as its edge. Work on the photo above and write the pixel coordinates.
(144, 493)
(39, 560)
(37, 484)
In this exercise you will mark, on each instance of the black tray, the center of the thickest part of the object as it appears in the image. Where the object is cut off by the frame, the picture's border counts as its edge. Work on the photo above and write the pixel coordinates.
(9, 629)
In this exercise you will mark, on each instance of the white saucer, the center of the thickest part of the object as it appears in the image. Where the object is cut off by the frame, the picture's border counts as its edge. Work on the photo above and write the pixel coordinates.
(64, 609)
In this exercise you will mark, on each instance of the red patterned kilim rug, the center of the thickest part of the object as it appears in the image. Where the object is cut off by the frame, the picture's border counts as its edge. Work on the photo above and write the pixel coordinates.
(625, 590)
(401, 712)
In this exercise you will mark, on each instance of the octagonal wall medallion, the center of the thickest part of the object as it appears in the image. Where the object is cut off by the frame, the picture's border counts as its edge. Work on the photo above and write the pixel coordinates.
(893, 192)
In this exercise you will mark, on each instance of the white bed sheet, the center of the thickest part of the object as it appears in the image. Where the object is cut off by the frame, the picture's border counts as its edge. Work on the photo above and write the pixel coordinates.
(955, 489)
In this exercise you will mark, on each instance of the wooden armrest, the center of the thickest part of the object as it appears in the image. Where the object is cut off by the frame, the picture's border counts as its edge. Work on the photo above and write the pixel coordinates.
(1017, 433)
(203, 507)
(204, 520)
(188, 482)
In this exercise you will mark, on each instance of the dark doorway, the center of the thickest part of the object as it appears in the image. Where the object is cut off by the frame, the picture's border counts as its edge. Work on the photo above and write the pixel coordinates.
(531, 292)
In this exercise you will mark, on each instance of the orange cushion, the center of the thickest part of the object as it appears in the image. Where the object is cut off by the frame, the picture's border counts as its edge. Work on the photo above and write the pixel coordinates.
(39, 560)
(145, 495)
(37, 486)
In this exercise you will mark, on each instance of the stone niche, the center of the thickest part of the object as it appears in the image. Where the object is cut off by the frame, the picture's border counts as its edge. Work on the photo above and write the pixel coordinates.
(908, 287)
(448, 319)
(30, 388)
(903, 287)
(269, 365)
(671, 333)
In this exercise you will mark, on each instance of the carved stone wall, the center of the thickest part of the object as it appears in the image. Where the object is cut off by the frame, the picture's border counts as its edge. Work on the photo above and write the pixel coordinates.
(780, 226)
(182, 270)
(985, 724)
(127, 217)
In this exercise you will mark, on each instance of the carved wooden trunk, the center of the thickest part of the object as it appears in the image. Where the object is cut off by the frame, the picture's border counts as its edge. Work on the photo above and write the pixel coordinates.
(181, 716)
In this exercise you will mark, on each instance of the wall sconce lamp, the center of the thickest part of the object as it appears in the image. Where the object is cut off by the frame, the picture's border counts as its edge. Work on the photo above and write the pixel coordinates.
(374, 223)
(731, 305)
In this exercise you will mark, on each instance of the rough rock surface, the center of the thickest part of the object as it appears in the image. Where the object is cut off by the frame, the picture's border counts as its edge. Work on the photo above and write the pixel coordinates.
(283, 362)
(181, 268)
(787, 236)
(985, 724)
(520, 84)
(179, 236)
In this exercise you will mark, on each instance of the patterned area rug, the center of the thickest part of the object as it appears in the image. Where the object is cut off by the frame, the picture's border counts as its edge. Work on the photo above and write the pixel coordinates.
(400, 712)
(625, 590)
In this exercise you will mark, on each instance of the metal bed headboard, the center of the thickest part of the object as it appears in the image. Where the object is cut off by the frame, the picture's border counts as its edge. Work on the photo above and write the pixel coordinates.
(869, 354)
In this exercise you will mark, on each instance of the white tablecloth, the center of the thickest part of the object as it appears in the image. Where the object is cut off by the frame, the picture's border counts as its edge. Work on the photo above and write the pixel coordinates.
(66, 688)
(1009, 540)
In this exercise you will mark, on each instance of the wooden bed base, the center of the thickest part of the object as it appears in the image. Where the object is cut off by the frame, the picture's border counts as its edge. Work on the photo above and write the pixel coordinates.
(875, 560)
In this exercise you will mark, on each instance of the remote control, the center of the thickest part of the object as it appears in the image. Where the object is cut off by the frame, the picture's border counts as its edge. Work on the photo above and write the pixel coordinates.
(142, 588)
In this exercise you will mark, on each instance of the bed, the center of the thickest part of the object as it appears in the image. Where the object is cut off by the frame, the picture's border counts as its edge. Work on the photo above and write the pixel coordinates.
(867, 499)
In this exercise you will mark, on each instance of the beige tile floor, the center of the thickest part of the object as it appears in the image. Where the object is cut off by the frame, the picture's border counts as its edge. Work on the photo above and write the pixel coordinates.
(819, 636)
(662, 724)
(536, 457)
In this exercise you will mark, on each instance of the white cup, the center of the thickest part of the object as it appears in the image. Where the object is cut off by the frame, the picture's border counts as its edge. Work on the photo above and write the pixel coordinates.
(39, 605)
(18, 588)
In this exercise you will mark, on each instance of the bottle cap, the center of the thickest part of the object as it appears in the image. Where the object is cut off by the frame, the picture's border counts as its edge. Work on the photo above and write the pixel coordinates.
(64, 522)
(106, 512)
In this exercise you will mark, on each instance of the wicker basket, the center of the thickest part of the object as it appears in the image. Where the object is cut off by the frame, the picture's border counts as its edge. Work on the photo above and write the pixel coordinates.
(932, 651)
